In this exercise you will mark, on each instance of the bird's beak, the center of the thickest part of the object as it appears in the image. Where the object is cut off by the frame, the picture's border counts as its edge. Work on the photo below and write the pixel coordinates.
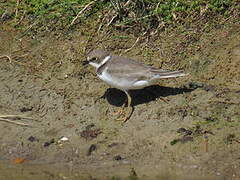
(85, 62)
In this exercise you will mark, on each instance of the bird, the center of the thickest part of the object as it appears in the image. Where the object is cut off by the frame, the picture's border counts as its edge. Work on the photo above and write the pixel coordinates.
(126, 74)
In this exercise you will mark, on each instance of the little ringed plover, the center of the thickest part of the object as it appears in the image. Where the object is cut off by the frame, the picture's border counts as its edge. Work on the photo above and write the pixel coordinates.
(126, 74)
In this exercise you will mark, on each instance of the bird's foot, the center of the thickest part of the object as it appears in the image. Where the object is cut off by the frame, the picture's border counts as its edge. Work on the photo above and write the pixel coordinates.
(125, 115)
(119, 112)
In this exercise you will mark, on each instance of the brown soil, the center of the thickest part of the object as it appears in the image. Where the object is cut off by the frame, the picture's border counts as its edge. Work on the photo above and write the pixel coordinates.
(195, 134)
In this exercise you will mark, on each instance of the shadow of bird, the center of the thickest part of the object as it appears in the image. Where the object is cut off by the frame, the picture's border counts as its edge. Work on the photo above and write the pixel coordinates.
(117, 97)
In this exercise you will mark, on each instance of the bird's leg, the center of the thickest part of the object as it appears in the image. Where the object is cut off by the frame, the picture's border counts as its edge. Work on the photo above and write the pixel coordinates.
(120, 110)
(129, 109)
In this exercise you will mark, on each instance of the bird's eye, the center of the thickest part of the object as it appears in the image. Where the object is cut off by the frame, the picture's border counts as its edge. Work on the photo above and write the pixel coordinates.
(93, 59)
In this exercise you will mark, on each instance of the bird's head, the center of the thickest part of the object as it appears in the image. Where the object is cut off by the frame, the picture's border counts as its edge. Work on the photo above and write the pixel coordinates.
(96, 57)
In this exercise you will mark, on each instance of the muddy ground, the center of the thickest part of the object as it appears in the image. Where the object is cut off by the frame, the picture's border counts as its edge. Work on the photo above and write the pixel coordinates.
(193, 132)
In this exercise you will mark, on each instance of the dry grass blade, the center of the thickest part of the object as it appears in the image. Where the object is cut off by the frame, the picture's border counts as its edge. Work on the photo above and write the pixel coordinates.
(16, 10)
(14, 122)
(80, 12)
(12, 119)
(119, 6)
(11, 59)
(132, 45)
(6, 56)
(16, 117)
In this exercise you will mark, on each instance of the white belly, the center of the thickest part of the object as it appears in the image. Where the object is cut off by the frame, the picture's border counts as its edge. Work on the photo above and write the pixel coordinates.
(121, 83)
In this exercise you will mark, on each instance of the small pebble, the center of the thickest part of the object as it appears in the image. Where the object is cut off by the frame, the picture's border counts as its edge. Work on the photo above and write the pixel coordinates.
(118, 158)
(26, 109)
(32, 139)
(46, 144)
(63, 139)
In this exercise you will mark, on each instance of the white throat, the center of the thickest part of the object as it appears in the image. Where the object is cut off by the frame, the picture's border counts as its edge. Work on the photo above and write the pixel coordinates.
(96, 65)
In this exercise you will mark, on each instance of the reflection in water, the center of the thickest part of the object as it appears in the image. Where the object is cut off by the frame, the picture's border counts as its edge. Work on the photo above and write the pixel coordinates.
(51, 172)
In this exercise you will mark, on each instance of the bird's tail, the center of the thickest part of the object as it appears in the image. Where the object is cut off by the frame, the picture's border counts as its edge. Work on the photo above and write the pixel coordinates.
(168, 74)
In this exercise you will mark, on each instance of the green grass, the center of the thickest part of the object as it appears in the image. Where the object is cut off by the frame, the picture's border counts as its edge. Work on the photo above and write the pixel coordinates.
(139, 14)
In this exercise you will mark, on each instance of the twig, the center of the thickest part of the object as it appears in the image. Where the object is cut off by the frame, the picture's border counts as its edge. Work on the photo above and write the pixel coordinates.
(110, 22)
(16, 117)
(6, 56)
(144, 17)
(16, 11)
(206, 143)
(22, 17)
(11, 59)
(12, 119)
(80, 12)
(14, 122)
(132, 45)
(111, 12)
(101, 24)
(20, 56)
(116, 5)
(27, 29)
(125, 5)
